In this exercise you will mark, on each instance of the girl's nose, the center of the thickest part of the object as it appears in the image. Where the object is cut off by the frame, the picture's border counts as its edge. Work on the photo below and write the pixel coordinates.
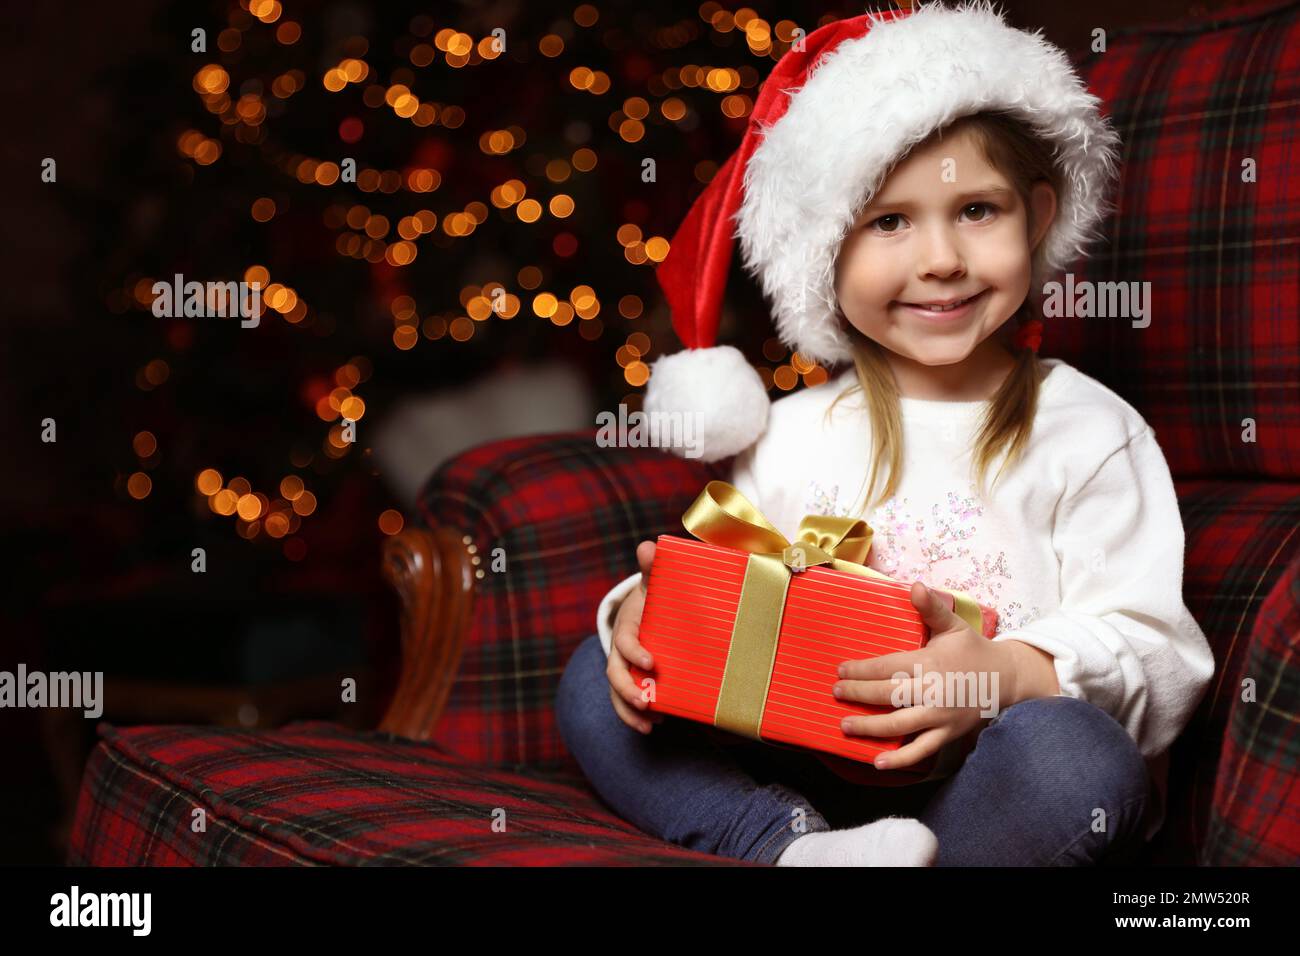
(939, 255)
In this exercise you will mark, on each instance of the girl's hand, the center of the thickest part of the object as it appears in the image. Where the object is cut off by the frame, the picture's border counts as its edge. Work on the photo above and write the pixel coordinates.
(624, 646)
(953, 647)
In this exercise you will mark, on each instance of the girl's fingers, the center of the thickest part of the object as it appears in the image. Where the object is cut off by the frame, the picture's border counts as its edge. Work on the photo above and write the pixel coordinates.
(923, 746)
(645, 556)
(632, 650)
(626, 694)
(625, 638)
(628, 715)
(905, 720)
(883, 693)
(622, 681)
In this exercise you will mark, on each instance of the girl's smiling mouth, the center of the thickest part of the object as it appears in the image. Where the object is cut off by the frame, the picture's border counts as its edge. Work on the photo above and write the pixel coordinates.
(956, 309)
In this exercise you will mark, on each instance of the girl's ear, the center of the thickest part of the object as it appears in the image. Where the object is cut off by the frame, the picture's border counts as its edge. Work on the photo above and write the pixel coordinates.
(1042, 211)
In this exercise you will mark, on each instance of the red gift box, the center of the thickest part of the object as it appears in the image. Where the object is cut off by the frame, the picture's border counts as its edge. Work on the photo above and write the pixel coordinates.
(829, 616)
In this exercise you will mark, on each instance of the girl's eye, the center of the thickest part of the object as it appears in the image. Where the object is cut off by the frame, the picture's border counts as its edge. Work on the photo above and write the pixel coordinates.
(888, 225)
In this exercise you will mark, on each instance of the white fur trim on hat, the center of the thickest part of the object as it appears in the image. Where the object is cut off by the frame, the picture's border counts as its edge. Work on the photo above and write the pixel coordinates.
(719, 394)
(870, 100)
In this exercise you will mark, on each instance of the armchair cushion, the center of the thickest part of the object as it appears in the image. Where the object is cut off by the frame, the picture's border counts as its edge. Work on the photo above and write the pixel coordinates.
(316, 793)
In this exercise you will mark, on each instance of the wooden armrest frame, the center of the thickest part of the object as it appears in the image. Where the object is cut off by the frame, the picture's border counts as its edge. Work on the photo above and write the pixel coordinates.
(434, 572)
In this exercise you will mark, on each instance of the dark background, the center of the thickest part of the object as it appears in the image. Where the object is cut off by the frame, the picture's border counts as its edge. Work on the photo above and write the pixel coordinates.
(100, 575)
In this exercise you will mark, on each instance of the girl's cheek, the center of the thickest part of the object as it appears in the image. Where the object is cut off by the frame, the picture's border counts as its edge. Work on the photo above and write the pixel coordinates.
(1009, 237)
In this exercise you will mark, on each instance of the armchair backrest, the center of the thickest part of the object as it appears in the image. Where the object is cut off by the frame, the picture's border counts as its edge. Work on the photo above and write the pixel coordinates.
(1209, 217)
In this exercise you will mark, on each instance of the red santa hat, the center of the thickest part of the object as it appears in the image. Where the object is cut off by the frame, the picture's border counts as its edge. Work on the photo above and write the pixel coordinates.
(829, 122)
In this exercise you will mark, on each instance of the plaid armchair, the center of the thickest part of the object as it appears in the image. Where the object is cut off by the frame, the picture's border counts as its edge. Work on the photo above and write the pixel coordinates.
(521, 538)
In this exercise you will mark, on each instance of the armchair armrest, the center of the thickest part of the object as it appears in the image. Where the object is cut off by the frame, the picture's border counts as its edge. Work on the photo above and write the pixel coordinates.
(1253, 821)
(433, 573)
(521, 540)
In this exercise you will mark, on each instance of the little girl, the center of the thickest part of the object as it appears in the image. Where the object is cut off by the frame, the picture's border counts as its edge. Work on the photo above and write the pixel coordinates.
(906, 182)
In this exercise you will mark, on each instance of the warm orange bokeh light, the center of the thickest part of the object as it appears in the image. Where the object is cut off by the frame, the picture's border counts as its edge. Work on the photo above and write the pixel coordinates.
(291, 487)
(636, 373)
(390, 522)
(224, 502)
(208, 481)
(144, 444)
(138, 485)
(249, 507)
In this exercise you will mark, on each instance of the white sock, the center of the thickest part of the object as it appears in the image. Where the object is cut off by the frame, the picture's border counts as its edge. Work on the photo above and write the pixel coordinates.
(891, 841)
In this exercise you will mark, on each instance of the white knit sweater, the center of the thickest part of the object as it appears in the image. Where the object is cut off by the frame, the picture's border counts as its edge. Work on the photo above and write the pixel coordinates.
(1079, 547)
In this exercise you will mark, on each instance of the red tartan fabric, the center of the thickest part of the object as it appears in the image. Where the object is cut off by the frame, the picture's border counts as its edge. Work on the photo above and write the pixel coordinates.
(1192, 102)
(315, 793)
(1239, 537)
(1256, 813)
(567, 516)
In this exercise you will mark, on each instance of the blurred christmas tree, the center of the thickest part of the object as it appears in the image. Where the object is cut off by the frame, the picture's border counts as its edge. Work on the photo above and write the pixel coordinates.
(423, 195)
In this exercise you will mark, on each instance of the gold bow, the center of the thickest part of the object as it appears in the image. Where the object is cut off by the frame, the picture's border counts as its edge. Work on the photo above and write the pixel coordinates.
(721, 515)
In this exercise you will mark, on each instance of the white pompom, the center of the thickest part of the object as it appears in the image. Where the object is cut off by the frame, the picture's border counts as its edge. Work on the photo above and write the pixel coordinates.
(720, 389)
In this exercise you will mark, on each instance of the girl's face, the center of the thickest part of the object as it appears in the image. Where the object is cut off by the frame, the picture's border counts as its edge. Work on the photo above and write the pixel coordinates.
(945, 226)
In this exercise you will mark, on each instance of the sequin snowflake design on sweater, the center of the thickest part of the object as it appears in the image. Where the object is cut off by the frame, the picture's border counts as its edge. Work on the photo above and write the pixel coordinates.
(909, 546)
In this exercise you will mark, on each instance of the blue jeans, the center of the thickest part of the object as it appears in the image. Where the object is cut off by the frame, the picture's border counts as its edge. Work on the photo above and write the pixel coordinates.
(1027, 794)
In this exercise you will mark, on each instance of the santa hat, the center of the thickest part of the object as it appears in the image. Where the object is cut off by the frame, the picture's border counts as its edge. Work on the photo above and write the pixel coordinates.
(829, 122)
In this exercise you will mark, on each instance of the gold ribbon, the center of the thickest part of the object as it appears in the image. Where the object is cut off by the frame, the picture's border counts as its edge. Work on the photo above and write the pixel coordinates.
(721, 515)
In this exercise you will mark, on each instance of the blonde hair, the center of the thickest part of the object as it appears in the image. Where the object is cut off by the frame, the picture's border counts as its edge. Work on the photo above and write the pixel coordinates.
(1011, 148)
